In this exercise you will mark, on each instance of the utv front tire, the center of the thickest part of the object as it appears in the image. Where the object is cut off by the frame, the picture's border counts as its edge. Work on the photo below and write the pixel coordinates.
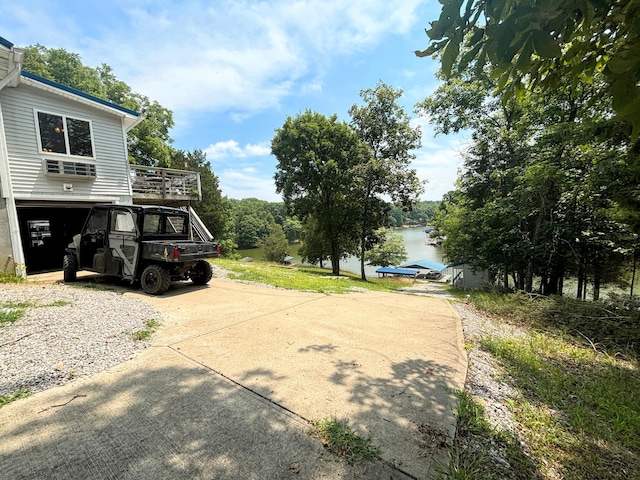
(155, 280)
(201, 272)
(69, 268)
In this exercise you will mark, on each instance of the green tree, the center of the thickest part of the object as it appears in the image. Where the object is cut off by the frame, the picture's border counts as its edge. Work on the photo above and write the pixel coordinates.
(315, 175)
(542, 43)
(388, 250)
(274, 244)
(252, 219)
(149, 142)
(292, 229)
(250, 229)
(63, 67)
(384, 127)
(315, 248)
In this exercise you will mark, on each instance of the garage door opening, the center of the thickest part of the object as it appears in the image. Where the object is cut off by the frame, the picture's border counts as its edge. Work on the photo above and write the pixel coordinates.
(46, 232)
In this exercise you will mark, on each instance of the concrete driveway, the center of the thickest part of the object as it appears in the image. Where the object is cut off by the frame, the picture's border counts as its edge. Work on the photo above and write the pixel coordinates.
(235, 376)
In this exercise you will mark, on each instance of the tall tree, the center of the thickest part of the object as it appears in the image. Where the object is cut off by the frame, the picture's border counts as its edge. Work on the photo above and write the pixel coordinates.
(315, 175)
(384, 127)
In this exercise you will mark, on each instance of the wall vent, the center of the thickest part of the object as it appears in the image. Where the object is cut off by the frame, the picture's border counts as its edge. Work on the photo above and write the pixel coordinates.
(66, 168)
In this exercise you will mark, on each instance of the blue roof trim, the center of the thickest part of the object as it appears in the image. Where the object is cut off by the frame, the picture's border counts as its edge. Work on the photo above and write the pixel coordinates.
(5, 43)
(65, 88)
(425, 263)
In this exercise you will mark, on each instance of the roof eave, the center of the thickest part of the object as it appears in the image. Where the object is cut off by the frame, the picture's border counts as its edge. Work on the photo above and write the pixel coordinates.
(130, 118)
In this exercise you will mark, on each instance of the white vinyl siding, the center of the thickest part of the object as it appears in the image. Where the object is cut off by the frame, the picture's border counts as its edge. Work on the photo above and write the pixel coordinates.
(4, 65)
(28, 164)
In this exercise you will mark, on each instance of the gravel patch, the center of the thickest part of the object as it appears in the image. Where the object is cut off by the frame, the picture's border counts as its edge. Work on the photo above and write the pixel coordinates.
(70, 333)
(485, 379)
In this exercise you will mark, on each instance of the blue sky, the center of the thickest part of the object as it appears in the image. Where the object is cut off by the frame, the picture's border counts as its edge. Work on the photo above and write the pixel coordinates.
(232, 71)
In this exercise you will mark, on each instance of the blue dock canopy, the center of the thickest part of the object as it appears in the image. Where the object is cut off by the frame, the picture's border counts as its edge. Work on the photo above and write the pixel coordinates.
(396, 271)
(422, 264)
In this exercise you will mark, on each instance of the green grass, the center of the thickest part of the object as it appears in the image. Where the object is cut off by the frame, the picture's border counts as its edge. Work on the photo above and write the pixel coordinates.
(146, 333)
(10, 278)
(18, 394)
(343, 442)
(476, 439)
(11, 311)
(578, 408)
(304, 278)
(577, 379)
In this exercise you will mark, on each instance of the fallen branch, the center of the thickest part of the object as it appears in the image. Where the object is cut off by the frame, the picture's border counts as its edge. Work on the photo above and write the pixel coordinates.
(62, 404)
(16, 340)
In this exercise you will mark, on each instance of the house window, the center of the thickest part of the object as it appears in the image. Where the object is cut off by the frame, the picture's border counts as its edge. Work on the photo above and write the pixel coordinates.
(65, 135)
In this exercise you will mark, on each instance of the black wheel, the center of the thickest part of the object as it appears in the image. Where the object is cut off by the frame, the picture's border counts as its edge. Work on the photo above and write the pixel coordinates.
(201, 272)
(155, 280)
(69, 267)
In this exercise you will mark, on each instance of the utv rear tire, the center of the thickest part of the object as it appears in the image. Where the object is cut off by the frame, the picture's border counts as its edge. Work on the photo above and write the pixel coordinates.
(201, 272)
(155, 280)
(69, 268)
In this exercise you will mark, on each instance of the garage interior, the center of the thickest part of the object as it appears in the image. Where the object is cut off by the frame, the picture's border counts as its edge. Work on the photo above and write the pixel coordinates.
(46, 231)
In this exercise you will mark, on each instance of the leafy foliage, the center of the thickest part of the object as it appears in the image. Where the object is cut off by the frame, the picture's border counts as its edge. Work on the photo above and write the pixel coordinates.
(542, 43)
(384, 127)
(388, 250)
(252, 220)
(315, 174)
(275, 244)
(536, 198)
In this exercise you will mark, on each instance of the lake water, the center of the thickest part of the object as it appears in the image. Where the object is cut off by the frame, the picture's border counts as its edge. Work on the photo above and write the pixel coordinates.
(415, 242)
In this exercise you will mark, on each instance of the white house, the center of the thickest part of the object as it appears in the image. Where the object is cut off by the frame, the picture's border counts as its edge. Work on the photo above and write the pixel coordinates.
(61, 151)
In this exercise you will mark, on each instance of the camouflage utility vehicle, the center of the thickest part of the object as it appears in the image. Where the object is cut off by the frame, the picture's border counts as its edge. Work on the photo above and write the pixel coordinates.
(149, 244)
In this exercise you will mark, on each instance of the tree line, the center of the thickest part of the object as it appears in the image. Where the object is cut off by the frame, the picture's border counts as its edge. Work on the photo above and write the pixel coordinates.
(550, 187)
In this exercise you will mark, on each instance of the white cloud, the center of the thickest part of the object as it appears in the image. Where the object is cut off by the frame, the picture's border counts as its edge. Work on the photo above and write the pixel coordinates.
(232, 149)
(226, 55)
(247, 183)
(439, 159)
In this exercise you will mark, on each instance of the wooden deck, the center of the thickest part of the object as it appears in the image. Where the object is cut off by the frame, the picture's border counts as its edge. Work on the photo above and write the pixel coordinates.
(154, 183)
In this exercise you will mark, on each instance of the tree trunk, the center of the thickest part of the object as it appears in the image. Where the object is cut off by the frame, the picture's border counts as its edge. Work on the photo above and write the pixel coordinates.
(363, 275)
(633, 274)
(561, 283)
(555, 281)
(596, 285)
(335, 258)
(580, 279)
(528, 277)
(521, 279)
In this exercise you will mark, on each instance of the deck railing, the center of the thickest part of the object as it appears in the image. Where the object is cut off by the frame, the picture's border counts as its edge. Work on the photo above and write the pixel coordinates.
(164, 183)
